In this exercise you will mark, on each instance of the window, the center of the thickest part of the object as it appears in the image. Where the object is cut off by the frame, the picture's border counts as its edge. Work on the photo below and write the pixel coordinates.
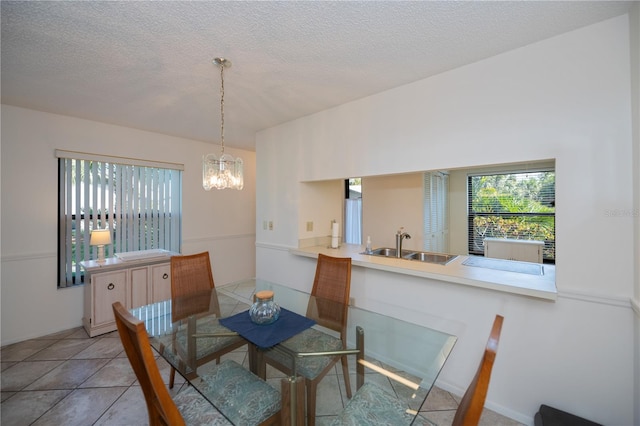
(436, 212)
(139, 201)
(517, 205)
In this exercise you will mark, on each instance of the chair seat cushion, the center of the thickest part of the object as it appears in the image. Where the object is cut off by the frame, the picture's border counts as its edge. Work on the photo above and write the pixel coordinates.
(240, 395)
(373, 406)
(310, 340)
(196, 410)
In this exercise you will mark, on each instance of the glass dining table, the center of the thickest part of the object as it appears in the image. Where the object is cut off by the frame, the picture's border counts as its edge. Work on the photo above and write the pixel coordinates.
(402, 358)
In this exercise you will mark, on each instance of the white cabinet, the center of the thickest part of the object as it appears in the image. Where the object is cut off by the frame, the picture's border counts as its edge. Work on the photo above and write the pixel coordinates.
(132, 283)
(161, 288)
(108, 287)
(505, 248)
(138, 286)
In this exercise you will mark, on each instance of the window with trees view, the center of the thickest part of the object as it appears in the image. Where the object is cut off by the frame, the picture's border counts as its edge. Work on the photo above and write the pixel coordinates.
(516, 205)
(138, 201)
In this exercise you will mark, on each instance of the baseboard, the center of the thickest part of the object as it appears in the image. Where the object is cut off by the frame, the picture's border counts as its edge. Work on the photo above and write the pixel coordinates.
(280, 247)
(585, 296)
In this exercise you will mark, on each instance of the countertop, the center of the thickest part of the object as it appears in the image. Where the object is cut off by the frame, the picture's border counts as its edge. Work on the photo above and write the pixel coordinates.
(538, 286)
(114, 263)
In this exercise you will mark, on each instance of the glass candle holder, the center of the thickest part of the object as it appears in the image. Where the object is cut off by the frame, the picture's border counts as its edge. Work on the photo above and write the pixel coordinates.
(264, 310)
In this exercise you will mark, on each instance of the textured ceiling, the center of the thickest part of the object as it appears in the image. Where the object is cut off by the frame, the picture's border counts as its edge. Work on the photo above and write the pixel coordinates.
(147, 65)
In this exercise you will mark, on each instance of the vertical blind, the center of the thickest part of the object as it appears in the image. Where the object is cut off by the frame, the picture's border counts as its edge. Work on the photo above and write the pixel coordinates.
(139, 201)
(353, 221)
(353, 211)
(436, 212)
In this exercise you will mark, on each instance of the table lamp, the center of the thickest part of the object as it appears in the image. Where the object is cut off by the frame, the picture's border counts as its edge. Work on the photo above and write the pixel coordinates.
(100, 237)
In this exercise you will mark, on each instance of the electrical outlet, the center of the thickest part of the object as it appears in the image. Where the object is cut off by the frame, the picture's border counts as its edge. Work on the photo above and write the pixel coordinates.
(352, 301)
(270, 225)
(309, 226)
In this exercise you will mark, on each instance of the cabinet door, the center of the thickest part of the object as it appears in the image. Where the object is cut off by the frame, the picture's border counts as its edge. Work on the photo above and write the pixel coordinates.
(108, 287)
(139, 286)
(161, 282)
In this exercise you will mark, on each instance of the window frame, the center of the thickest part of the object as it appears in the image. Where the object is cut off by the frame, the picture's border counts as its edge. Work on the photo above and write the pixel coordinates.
(94, 199)
(471, 216)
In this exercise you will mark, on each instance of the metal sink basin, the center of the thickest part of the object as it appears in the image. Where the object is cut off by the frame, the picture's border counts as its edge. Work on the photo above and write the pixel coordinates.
(388, 252)
(440, 258)
(419, 256)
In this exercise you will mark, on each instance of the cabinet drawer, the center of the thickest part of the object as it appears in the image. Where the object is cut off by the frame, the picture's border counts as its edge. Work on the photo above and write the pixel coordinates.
(108, 288)
(161, 282)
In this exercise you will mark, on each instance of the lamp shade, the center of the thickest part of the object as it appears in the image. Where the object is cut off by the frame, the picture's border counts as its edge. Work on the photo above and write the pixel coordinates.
(100, 237)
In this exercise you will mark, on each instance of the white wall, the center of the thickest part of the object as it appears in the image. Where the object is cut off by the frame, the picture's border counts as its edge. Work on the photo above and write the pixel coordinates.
(391, 202)
(635, 87)
(321, 203)
(222, 222)
(567, 98)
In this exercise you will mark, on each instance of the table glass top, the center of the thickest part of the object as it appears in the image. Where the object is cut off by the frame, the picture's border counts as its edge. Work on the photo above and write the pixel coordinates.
(401, 358)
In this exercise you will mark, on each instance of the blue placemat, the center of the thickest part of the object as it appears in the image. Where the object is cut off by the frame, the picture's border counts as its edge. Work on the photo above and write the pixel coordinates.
(287, 325)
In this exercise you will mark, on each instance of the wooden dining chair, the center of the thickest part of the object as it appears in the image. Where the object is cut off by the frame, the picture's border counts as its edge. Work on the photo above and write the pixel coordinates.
(371, 405)
(162, 409)
(472, 403)
(192, 275)
(245, 398)
(328, 306)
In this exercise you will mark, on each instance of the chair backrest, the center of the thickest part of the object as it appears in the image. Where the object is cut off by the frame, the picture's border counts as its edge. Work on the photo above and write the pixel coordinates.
(161, 408)
(470, 408)
(191, 274)
(332, 283)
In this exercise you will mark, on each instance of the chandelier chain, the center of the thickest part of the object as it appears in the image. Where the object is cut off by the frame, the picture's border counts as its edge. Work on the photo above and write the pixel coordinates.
(223, 171)
(222, 106)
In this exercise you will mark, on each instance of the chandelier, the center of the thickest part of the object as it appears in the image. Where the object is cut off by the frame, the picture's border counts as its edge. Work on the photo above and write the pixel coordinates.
(224, 171)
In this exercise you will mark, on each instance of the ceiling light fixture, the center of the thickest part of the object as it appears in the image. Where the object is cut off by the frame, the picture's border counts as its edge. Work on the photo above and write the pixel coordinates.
(224, 171)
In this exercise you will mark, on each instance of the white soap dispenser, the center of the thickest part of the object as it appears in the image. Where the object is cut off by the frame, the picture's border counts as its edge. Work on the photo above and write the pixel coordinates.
(368, 250)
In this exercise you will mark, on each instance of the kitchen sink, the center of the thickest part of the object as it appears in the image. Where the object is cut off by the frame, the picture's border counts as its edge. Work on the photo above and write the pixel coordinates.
(440, 258)
(388, 252)
(419, 256)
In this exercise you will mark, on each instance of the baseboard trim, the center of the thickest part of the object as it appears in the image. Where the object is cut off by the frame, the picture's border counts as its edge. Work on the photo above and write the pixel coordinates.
(29, 256)
(270, 246)
(621, 302)
(218, 238)
(635, 305)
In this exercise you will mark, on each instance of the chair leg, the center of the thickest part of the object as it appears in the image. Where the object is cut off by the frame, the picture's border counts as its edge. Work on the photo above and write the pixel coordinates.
(345, 373)
(172, 377)
(311, 402)
(288, 415)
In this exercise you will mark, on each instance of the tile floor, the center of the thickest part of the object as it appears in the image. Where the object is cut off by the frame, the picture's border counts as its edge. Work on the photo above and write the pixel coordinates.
(71, 379)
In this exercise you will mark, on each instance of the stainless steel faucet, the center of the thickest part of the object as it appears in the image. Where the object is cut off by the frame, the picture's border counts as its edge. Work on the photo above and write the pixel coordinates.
(400, 235)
